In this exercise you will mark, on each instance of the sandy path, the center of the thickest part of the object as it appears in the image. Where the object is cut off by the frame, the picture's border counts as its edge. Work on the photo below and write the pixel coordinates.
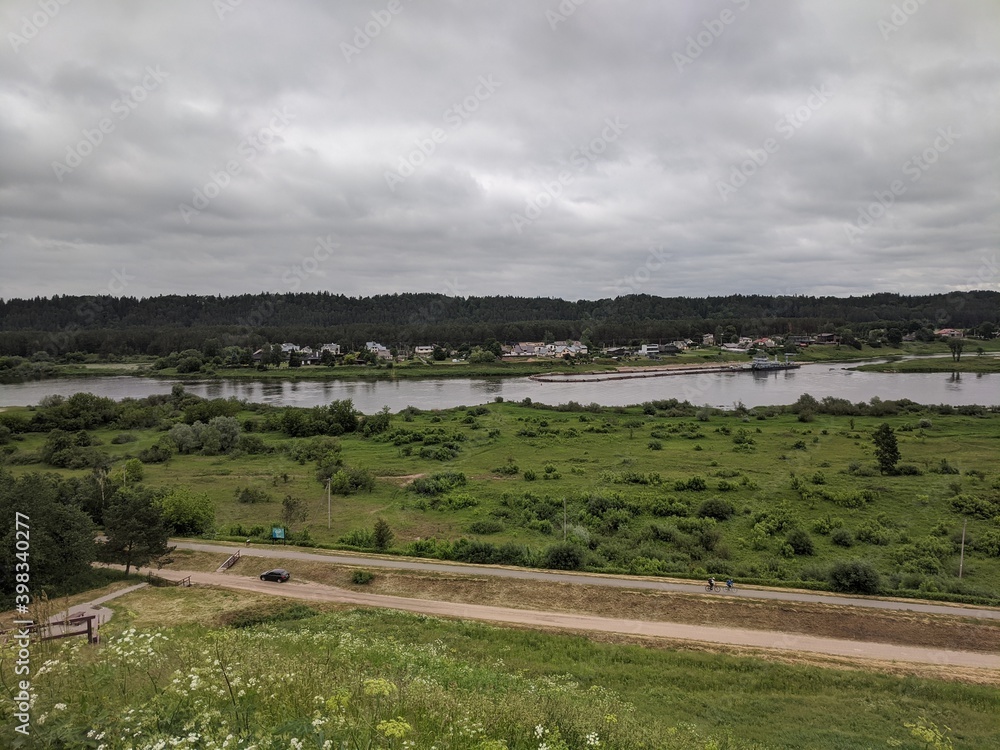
(730, 636)
(593, 580)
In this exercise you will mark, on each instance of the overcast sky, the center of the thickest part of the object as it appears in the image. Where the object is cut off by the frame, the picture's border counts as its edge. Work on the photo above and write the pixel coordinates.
(579, 149)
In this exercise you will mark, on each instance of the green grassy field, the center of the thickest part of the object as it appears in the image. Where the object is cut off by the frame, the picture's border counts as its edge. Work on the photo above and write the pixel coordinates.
(968, 363)
(633, 492)
(372, 678)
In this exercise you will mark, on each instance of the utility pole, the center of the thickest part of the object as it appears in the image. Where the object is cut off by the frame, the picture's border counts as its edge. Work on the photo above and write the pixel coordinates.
(961, 559)
(564, 518)
(328, 511)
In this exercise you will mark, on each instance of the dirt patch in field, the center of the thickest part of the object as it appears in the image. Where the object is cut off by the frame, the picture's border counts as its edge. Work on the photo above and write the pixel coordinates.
(826, 620)
(403, 479)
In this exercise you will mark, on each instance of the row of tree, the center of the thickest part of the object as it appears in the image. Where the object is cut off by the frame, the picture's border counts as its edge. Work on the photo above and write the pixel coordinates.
(124, 326)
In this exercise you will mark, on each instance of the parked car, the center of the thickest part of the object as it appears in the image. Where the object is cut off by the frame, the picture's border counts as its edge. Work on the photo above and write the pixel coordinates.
(279, 575)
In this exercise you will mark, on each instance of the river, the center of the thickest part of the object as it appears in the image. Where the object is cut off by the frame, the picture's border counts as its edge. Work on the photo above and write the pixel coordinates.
(722, 389)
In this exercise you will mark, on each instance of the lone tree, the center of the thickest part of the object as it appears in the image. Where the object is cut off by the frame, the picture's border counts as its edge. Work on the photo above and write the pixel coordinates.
(886, 449)
(136, 530)
(383, 535)
(956, 346)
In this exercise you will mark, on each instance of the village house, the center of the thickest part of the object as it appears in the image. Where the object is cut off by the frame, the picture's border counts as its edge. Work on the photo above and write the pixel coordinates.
(380, 351)
(950, 333)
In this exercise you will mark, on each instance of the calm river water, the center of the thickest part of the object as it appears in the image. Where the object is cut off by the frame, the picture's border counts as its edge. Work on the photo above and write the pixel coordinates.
(715, 389)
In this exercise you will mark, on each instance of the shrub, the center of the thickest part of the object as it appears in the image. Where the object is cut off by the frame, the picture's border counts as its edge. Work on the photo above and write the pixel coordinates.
(509, 469)
(361, 577)
(655, 445)
(842, 537)
(155, 454)
(716, 508)
(800, 542)
(529, 475)
(124, 437)
(695, 484)
(563, 556)
(252, 496)
(438, 483)
(488, 526)
(977, 507)
(855, 577)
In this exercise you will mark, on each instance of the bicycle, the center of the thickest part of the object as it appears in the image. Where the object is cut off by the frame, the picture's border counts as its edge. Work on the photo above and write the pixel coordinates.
(721, 588)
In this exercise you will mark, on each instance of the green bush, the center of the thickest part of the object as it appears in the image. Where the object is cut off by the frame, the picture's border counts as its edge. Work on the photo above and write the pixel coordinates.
(361, 577)
(563, 556)
(842, 537)
(716, 508)
(800, 542)
(486, 526)
(855, 577)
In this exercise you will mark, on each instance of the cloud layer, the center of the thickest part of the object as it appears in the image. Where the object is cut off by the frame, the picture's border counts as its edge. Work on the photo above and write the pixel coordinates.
(575, 149)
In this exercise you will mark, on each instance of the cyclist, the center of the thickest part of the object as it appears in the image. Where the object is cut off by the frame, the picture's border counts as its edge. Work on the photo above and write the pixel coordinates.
(711, 584)
(729, 584)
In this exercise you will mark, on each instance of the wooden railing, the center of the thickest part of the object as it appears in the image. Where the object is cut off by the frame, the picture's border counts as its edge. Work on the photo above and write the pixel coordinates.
(230, 562)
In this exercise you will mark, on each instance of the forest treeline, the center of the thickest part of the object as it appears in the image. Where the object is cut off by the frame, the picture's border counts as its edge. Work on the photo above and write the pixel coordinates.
(160, 325)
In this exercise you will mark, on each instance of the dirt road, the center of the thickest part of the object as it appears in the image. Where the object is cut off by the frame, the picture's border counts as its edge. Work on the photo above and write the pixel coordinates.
(594, 580)
(565, 621)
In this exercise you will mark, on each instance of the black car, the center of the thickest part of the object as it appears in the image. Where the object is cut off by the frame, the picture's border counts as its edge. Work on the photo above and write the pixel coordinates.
(278, 574)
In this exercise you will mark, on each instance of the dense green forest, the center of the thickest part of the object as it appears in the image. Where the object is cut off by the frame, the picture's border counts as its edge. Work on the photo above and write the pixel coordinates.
(159, 325)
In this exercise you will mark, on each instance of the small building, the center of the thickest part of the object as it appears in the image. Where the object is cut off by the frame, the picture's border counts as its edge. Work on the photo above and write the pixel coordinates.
(708, 339)
(649, 350)
(950, 333)
(424, 350)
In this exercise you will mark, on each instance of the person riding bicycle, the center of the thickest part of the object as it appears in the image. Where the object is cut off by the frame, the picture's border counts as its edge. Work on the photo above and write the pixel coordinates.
(711, 584)
(729, 584)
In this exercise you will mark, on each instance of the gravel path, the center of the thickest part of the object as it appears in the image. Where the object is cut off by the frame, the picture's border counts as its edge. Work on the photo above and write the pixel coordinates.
(594, 580)
(728, 636)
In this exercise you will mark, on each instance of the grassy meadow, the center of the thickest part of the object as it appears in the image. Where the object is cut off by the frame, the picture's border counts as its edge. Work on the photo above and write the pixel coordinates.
(766, 495)
(214, 669)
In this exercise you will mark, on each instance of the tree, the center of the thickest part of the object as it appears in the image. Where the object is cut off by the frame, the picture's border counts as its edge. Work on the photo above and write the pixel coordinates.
(130, 473)
(894, 336)
(293, 509)
(986, 330)
(439, 354)
(188, 512)
(956, 346)
(480, 356)
(886, 449)
(135, 528)
(62, 535)
(382, 535)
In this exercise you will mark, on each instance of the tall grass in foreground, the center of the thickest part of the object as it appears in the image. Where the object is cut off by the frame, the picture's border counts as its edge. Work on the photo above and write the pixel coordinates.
(313, 687)
(366, 680)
